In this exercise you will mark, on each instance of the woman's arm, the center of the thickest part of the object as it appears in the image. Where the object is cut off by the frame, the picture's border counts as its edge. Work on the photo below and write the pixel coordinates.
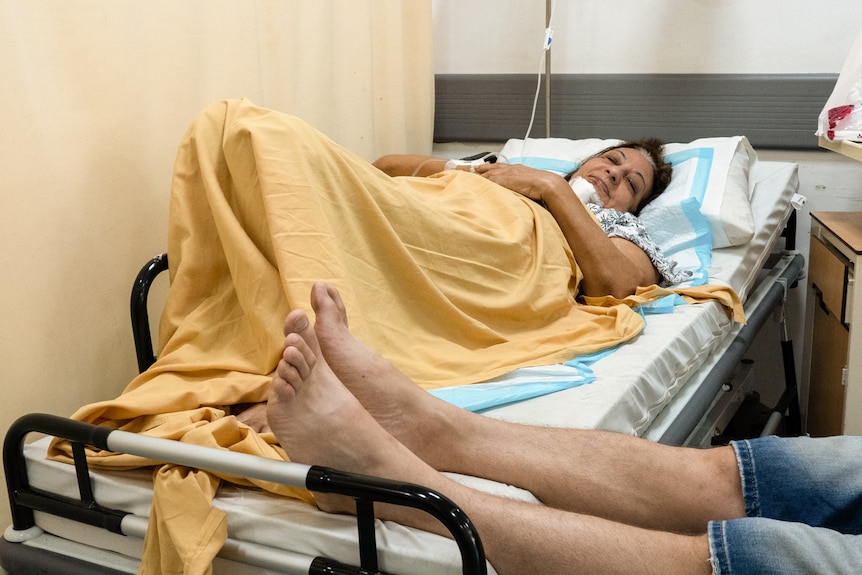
(418, 165)
(410, 165)
(611, 266)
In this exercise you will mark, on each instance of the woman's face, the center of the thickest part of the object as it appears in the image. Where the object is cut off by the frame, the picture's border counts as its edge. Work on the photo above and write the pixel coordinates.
(623, 178)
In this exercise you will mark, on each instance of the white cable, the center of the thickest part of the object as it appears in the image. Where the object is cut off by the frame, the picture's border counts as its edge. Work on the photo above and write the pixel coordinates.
(535, 100)
(546, 46)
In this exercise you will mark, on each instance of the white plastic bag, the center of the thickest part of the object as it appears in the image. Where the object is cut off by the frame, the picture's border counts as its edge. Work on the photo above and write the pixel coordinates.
(843, 122)
(841, 118)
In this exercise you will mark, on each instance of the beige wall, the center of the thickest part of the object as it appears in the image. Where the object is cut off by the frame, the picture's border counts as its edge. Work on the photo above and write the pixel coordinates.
(94, 98)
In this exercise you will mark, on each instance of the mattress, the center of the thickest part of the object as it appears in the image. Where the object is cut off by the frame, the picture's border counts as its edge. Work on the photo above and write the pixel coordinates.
(638, 380)
(632, 392)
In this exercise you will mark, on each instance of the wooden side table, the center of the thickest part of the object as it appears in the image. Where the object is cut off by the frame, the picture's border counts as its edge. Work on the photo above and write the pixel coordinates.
(835, 382)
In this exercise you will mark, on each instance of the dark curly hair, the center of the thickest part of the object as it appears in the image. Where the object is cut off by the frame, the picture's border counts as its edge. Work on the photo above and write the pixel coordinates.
(653, 148)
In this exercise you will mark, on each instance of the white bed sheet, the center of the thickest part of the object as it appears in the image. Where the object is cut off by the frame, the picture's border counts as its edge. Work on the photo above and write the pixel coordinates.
(632, 387)
(638, 380)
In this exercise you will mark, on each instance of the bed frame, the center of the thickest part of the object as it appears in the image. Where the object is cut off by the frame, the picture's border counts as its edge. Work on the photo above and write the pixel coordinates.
(706, 413)
(365, 490)
(24, 500)
(709, 407)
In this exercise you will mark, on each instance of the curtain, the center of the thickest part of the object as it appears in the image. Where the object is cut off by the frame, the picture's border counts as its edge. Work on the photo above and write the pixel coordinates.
(356, 67)
(94, 99)
(361, 71)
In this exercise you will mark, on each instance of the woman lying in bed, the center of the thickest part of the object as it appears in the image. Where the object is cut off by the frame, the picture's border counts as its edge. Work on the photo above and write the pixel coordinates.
(454, 279)
(616, 258)
(619, 257)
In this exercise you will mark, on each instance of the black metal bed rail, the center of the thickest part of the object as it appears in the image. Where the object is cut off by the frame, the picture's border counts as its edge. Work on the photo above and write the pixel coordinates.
(365, 490)
(771, 296)
(140, 313)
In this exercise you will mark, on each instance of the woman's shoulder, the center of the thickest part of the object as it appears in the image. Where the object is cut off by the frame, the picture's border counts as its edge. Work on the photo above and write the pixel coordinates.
(629, 227)
(611, 218)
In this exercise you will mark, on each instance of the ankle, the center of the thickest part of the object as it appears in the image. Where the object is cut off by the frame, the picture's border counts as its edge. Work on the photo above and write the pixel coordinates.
(443, 437)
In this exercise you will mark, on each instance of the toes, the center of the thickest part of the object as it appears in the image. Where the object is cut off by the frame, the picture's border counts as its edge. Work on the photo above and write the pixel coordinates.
(322, 296)
(295, 366)
(339, 303)
(298, 359)
(319, 296)
(296, 322)
(281, 391)
(325, 299)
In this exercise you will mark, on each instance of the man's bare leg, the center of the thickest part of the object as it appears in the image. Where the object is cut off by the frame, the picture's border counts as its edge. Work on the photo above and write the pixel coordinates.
(318, 421)
(599, 473)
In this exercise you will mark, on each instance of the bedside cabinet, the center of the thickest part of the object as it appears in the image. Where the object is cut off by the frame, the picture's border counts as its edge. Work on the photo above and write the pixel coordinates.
(835, 378)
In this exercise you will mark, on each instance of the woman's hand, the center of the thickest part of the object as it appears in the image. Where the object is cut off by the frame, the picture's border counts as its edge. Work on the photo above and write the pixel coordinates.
(409, 165)
(530, 182)
(253, 415)
(610, 265)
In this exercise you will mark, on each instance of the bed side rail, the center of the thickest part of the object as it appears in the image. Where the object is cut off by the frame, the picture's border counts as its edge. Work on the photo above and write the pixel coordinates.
(767, 298)
(24, 499)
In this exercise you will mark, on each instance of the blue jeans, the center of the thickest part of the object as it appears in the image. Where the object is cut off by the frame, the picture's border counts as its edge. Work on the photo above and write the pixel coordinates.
(803, 501)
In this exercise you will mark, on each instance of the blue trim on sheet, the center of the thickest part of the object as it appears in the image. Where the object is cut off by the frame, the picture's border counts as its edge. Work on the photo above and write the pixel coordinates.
(702, 242)
(662, 305)
(704, 157)
(478, 397)
(588, 359)
(548, 164)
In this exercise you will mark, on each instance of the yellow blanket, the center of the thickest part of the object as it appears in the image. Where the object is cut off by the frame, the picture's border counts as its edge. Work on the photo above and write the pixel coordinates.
(453, 278)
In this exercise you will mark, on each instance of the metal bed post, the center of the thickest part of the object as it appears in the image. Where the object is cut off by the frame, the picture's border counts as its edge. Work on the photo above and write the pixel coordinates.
(788, 404)
(140, 313)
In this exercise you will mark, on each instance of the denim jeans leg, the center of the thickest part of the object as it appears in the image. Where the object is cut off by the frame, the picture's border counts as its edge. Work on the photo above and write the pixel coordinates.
(803, 499)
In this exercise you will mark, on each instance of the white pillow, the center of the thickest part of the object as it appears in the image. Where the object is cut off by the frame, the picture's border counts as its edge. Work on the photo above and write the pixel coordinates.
(715, 171)
(559, 155)
(683, 235)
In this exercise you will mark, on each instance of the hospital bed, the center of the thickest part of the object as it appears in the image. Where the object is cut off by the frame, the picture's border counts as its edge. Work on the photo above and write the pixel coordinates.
(677, 382)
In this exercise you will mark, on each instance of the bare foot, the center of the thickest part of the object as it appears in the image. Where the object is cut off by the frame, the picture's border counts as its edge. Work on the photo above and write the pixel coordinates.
(416, 418)
(319, 422)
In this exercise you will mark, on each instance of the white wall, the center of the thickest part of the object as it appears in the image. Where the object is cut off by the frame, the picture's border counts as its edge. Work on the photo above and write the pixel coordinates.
(674, 36)
(646, 36)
